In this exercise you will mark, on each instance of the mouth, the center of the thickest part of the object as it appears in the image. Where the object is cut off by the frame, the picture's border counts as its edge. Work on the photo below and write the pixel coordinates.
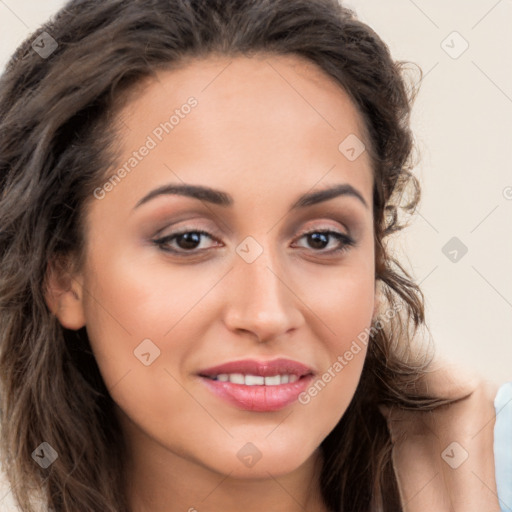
(251, 372)
(259, 386)
(255, 380)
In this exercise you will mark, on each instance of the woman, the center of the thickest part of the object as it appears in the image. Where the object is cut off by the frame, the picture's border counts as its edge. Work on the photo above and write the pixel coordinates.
(199, 310)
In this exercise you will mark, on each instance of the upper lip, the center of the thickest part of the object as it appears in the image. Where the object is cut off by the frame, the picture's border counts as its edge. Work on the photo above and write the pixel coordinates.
(279, 366)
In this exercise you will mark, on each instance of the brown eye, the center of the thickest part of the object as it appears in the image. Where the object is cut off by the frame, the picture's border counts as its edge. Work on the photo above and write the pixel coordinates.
(185, 241)
(319, 239)
(188, 240)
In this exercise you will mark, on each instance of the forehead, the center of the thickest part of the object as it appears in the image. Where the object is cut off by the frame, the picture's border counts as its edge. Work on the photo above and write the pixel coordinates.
(267, 117)
(285, 81)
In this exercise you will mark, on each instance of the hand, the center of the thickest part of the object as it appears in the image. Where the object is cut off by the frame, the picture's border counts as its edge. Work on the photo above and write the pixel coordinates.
(444, 459)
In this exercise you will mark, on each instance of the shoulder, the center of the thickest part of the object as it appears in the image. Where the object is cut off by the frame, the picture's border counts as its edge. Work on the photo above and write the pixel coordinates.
(444, 458)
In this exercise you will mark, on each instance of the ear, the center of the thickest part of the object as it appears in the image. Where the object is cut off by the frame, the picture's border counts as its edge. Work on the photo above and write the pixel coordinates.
(63, 293)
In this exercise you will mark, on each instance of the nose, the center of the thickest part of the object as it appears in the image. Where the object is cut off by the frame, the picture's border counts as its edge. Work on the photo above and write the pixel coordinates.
(261, 300)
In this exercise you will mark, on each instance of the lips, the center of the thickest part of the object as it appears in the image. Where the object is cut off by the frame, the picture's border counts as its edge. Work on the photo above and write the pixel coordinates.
(258, 386)
(260, 368)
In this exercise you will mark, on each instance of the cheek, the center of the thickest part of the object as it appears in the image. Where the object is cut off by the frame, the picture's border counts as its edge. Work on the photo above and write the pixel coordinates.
(342, 302)
(134, 297)
(120, 314)
(140, 320)
(127, 316)
(345, 308)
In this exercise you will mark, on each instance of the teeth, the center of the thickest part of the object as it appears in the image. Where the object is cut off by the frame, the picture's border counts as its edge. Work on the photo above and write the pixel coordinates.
(256, 380)
(273, 381)
(237, 378)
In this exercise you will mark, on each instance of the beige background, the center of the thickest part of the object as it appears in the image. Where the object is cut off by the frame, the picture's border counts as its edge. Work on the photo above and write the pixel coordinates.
(463, 125)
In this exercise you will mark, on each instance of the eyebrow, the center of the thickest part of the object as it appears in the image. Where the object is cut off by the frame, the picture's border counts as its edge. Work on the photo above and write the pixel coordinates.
(220, 198)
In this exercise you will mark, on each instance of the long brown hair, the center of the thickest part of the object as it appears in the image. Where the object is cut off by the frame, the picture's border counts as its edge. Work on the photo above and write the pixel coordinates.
(57, 145)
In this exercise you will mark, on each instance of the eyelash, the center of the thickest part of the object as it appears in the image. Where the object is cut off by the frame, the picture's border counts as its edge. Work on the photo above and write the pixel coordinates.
(163, 242)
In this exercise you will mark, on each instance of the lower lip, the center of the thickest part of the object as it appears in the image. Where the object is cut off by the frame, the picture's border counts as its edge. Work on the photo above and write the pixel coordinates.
(259, 398)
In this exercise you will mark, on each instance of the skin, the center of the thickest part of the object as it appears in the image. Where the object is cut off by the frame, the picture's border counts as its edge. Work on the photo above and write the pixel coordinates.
(266, 130)
(432, 472)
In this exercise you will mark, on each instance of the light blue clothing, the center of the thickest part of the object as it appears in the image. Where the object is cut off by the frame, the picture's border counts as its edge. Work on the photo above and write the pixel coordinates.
(503, 445)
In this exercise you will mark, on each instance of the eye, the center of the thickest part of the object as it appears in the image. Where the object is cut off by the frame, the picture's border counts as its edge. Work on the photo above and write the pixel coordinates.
(319, 238)
(187, 241)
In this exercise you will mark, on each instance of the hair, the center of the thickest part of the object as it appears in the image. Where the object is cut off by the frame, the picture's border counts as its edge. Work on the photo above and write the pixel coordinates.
(57, 145)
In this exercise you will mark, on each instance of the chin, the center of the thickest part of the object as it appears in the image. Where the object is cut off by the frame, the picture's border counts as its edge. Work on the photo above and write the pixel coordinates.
(259, 460)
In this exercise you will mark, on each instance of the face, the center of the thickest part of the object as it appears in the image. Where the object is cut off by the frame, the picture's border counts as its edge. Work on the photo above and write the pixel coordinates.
(174, 285)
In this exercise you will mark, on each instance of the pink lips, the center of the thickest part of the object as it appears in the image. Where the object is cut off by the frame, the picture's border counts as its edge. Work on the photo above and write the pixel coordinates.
(259, 398)
(263, 368)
